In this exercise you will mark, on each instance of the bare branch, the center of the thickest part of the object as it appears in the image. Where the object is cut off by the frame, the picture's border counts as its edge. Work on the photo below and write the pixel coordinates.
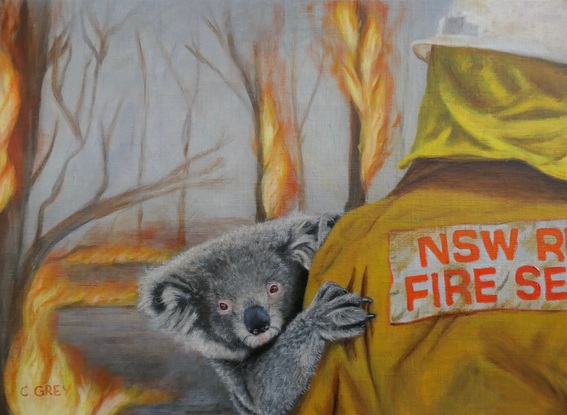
(144, 132)
(105, 142)
(68, 53)
(103, 31)
(103, 34)
(226, 41)
(250, 80)
(311, 98)
(73, 118)
(143, 69)
(188, 121)
(186, 140)
(197, 82)
(60, 43)
(44, 160)
(178, 80)
(201, 58)
(95, 23)
(56, 88)
(106, 138)
(56, 190)
(214, 27)
(108, 134)
(115, 28)
(190, 100)
(89, 42)
(94, 91)
(175, 180)
(193, 159)
(82, 90)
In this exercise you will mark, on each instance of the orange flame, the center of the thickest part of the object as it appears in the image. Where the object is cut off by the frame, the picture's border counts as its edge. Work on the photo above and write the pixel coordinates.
(280, 187)
(43, 376)
(359, 45)
(9, 105)
(279, 182)
(111, 255)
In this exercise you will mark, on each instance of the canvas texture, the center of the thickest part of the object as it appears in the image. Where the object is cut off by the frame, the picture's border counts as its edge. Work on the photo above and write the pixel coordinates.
(491, 361)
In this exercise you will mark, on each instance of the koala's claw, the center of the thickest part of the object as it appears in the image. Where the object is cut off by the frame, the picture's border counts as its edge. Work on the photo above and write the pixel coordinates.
(328, 292)
(337, 312)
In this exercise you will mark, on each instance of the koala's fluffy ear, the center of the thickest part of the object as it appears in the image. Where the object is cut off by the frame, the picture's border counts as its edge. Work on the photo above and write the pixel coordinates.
(171, 293)
(308, 237)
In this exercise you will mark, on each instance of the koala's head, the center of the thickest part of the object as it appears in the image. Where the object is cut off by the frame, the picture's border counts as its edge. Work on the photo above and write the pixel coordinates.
(235, 293)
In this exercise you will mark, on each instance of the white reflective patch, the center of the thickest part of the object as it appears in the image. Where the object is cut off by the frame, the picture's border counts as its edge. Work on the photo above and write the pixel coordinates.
(469, 268)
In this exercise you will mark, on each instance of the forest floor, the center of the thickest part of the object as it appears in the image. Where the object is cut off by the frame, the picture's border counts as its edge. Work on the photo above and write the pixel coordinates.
(118, 339)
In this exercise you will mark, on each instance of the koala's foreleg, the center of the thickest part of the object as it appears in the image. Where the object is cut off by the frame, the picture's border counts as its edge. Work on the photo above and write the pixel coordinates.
(277, 377)
(232, 374)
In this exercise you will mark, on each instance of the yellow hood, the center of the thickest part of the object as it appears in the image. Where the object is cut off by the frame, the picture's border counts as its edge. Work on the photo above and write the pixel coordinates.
(488, 105)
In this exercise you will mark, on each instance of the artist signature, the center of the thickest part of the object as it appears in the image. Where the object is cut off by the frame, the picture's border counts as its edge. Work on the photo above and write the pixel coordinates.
(45, 390)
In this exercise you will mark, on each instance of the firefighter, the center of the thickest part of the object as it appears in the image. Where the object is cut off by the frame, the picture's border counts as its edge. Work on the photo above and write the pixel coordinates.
(465, 259)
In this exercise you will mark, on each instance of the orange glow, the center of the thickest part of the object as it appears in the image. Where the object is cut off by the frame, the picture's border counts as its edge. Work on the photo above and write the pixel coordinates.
(43, 376)
(9, 110)
(278, 133)
(279, 183)
(110, 255)
(358, 43)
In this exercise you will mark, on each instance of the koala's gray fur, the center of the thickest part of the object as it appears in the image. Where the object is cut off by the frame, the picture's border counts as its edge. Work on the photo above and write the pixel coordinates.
(237, 299)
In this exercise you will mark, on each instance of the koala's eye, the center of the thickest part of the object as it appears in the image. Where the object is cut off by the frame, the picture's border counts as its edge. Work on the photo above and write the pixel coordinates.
(224, 307)
(274, 288)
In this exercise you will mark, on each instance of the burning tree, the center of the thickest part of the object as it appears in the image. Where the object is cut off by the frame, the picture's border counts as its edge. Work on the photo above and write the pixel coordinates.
(268, 91)
(10, 106)
(357, 37)
(25, 52)
(276, 143)
(29, 56)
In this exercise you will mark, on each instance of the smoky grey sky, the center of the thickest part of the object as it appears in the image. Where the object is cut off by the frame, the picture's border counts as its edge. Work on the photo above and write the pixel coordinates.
(170, 25)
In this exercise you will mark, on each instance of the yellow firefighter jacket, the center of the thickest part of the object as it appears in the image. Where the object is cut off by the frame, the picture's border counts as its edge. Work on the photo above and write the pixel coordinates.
(465, 259)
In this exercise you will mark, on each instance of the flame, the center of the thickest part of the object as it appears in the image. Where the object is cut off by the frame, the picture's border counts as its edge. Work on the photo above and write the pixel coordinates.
(359, 48)
(279, 183)
(9, 110)
(277, 132)
(43, 376)
(111, 255)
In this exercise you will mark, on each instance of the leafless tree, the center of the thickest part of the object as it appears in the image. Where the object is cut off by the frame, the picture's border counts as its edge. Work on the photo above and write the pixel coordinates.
(248, 91)
(49, 63)
(144, 132)
(189, 98)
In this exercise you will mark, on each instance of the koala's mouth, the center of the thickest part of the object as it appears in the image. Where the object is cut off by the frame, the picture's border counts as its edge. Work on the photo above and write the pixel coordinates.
(257, 340)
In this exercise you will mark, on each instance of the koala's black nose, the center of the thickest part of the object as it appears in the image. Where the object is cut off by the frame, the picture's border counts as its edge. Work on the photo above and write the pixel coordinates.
(257, 320)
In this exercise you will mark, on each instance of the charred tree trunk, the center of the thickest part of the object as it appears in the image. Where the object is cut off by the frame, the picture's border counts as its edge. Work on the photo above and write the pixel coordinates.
(29, 51)
(261, 214)
(356, 192)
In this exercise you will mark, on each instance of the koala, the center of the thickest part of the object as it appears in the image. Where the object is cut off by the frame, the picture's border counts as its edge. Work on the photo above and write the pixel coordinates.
(238, 299)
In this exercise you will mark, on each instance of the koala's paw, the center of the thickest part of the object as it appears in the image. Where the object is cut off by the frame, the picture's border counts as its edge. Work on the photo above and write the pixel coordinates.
(337, 313)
